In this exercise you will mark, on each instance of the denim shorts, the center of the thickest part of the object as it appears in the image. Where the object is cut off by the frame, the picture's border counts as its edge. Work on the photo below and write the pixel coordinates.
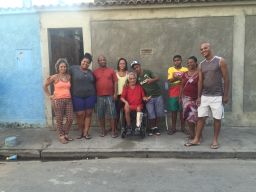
(155, 107)
(81, 104)
(105, 107)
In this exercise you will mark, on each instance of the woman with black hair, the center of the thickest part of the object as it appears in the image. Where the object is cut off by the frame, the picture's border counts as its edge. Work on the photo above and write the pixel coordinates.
(122, 75)
(83, 94)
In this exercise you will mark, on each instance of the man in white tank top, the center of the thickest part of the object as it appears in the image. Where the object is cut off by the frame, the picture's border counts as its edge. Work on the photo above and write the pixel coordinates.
(213, 88)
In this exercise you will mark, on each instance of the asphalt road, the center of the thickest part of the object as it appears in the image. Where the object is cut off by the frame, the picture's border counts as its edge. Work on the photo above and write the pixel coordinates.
(131, 175)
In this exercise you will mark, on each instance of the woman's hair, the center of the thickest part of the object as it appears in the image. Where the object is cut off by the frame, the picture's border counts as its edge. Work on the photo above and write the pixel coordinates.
(118, 67)
(59, 61)
(87, 56)
(193, 58)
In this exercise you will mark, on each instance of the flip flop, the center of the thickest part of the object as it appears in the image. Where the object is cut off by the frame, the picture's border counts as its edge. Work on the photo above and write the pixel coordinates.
(214, 146)
(81, 136)
(114, 135)
(189, 144)
(69, 139)
(87, 137)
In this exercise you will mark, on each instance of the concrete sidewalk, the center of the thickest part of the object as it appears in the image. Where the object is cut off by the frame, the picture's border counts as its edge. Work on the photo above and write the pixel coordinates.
(42, 144)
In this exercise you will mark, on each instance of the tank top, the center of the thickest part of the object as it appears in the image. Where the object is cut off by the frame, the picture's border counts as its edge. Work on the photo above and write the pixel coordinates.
(62, 90)
(212, 77)
(120, 83)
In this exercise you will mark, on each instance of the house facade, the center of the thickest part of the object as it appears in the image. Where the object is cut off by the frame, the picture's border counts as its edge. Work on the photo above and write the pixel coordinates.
(151, 31)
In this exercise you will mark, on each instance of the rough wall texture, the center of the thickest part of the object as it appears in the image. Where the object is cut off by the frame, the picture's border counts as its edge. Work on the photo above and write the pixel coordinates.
(21, 98)
(250, 65)
(165, 38)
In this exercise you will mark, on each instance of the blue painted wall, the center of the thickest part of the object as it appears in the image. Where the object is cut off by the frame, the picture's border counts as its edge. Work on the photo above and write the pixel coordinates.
(21, 94)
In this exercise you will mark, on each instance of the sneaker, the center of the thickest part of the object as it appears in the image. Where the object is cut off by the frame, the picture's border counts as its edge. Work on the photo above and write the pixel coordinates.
(128, 131)
(137, 129)
(150, 133)
(156, 131)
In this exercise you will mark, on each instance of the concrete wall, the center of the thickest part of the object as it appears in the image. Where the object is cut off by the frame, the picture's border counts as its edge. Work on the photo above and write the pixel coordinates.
(124, 31)
(21, 96)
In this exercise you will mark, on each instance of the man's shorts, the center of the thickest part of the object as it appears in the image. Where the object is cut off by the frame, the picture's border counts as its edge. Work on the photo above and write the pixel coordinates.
(155, 107)
(106, 107)
(81, 104)
(173, 104)
(213, 103)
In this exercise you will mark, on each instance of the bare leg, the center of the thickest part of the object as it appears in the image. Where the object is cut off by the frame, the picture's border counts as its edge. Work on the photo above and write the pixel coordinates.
(113, 127)
(191, 127)
(174, 119)
(217, 126)
(87, 122)
(128, 117)
(80, 122)
(182, 122)
(102, 126)
(199, 128)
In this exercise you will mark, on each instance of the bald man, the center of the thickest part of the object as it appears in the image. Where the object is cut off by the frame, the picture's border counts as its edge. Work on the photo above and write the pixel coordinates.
(213, 88)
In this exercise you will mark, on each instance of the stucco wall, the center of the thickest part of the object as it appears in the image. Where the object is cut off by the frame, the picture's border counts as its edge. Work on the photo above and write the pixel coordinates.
(250, 65)
(165, 37)
(21, 98)
(230, 29)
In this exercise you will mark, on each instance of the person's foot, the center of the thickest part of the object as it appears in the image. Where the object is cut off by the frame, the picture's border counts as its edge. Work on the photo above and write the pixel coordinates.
(171, 131)
(103, 133)
(150, 133)
(128, 130)
(68, 138)
(190, 144)
(157, 131)
(214, 146)
(81, 136)
(87, 136)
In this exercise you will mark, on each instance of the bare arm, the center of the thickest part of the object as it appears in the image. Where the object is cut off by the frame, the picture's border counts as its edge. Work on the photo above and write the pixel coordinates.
(224, 71)
(48, 81)
(199, 86)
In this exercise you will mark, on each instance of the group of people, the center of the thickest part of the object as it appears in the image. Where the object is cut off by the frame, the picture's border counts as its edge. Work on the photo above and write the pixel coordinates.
(193, 90)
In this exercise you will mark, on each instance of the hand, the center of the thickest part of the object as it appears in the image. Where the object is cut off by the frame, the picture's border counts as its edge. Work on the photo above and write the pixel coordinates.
(126, 106)
(115, 97)
(51, 97)
(149, 81)
(198, 101)
(225, 99)
(146, 99)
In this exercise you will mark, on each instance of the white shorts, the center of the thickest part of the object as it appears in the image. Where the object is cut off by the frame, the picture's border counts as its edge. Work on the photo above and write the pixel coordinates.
(213, 103)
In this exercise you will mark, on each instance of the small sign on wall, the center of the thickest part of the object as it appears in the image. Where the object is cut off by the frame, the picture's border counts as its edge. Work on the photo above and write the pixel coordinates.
(146, 51)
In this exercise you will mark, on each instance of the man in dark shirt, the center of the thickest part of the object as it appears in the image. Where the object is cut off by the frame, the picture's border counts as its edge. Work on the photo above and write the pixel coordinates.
(213, 72)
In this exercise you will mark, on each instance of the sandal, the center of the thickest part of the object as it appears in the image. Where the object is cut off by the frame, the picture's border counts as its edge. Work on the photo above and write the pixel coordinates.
(214, 146)
(81, 136)
(67, 138)
(114, 135)
(87, 137)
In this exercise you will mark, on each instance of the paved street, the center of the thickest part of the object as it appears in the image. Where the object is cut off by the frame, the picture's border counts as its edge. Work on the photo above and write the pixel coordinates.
(131, 175)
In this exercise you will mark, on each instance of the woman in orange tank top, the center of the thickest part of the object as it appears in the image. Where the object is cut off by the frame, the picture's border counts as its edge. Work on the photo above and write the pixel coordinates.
(61, 99)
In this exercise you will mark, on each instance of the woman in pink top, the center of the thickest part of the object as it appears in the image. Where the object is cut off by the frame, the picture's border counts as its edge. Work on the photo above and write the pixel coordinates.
(61, 99)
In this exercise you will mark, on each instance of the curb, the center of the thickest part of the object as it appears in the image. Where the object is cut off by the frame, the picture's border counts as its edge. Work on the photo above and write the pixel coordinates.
(62, 154)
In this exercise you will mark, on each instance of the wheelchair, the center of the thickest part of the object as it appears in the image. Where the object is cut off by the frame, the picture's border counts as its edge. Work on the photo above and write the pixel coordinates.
(135, 131)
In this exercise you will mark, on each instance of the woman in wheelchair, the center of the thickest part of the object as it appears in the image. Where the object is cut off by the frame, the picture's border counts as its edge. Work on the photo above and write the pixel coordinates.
(133, 96)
